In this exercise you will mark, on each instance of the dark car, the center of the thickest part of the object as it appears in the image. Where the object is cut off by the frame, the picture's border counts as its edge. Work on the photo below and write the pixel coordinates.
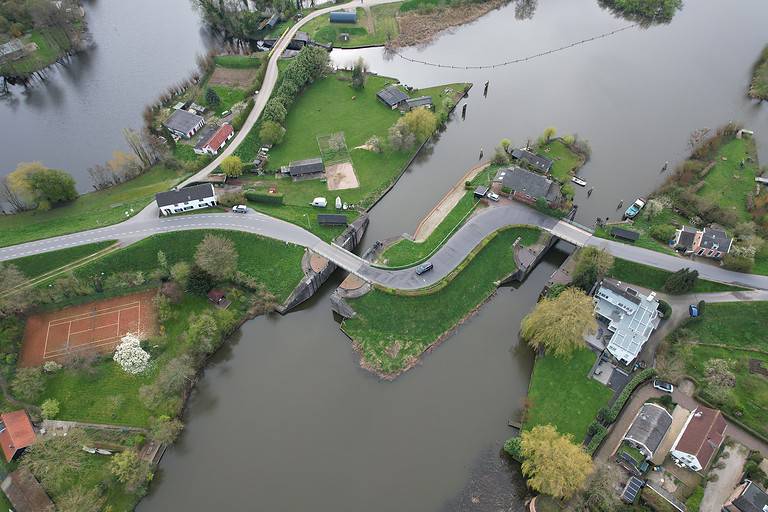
(424, 268)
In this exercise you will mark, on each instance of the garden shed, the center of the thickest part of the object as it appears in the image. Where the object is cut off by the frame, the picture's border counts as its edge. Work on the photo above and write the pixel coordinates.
(344, 17)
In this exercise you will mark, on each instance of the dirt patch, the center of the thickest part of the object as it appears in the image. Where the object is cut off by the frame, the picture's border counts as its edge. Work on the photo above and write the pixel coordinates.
(341, 176)
(241, 78)
(90, 328)
(317, 263)
(417, 28)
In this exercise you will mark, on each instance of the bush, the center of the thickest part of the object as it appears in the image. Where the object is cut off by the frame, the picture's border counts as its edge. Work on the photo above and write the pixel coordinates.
(738, 263)
(663, 232)
(512, 447)
(263, 197)
(271, 133)
(681, 281)
(239, 120)
(701, 305)
(50, 409)
(665, 308)
(618, 405)
(597, 438)
(28, 384)
(694, 500)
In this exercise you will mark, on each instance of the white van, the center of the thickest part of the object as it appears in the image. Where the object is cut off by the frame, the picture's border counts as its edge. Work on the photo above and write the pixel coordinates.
(319, 202)
(240, 208)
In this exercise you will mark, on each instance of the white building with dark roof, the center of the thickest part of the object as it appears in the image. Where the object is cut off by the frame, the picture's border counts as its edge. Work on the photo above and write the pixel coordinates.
(184, 124)
(186, 199)
(631, 317)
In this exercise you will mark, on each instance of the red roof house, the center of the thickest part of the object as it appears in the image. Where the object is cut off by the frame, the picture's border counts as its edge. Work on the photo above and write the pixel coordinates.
(16, 432)
(702, 435)
(211, 143)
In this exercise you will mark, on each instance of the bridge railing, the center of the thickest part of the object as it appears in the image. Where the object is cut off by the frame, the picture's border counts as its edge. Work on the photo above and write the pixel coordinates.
(578, 225)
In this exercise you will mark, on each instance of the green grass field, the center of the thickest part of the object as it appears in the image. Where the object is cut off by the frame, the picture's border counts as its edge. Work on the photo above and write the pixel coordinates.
(228, 96)
(566, 162)
(394, 330)
(89, 211)
(654, 278)
(51, 44)
(759, 86)
(237, 61)
(280, 276)
(39, 264)
(727, 184)
(562, 394)
(367, 31)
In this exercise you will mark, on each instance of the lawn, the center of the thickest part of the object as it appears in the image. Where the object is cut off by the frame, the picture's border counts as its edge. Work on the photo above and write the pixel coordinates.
(39, 264)
(562, 394)
(237, 61)
(406, 252)
(759, 86)
(275, 264)
(736, 324)
(51, 44)
(727, 184)
(89, 211)
(394, 330)
(228, 96)
(382, 22)
(654, 278)
(565, 162)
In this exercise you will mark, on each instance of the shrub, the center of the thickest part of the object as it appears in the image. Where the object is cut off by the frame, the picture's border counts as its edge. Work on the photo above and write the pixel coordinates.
(239, 120)
(663, 232)
(665, 308)
(28, 383)
(618, 405)
(512, 447)
(50, 408)
(681, 281)
(271, 133)
(738, 263)
(597, 438)
(263, 197)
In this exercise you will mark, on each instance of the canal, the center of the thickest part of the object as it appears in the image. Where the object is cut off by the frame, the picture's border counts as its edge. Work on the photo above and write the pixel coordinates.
(284, 419)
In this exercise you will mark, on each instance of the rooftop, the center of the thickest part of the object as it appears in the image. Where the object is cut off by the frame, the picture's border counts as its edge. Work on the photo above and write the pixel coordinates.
(25, 492)
(542, 163)
(420, 101)
(685, 238)
(716, 239)
(751, 499)
(199, 192)
(308, 166)
(702, 435)
(392, 95)
(527, 182)
(183, 121)
(649, 427)
(16, 432)
(205, 135)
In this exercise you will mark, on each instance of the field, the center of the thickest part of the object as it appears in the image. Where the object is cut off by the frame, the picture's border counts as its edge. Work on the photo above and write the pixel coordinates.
(566, 162)
(727, 184)
(373, 30)
(654, 278)
(39, 264)
(87, 329)
(394, 330)
(734, 332)
(89, 211)
(562, 394)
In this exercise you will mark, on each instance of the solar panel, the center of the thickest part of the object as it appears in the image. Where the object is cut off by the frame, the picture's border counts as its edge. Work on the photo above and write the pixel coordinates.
(631, 490)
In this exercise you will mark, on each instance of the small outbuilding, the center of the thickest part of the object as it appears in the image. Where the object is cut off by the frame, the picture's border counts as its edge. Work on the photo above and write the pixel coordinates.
(648, 429)
(186, 199)
(311, 168)
(392, 96)
(183, 123)
(481, 191)
(12, 50)
(421, 101)
(273, 21)
(25, 493)
(331, 219)
(625, 234)
(533, 160)
(16, 433)
(343, 17)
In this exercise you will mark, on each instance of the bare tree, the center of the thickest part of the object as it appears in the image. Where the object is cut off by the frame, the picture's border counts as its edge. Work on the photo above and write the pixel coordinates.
(10, 196)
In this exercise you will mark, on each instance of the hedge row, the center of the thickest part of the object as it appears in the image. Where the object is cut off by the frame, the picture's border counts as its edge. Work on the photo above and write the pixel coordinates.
(618, 405)
(263, 197)
(597, 438)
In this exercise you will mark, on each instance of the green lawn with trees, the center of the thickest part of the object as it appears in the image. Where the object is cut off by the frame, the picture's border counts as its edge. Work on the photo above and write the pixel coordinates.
(644, 12)
(374, 30)
(566, 162)
(562, 394)
(393, 330)
(654, 278)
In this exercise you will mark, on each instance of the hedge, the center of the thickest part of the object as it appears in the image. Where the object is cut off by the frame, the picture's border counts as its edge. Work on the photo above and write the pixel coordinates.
(618, 405)
(263, 197)
(239, 120)
(512, 447)
(597, 438)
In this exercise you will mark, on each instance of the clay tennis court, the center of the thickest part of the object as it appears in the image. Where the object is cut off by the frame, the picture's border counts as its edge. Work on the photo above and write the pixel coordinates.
(90, 328)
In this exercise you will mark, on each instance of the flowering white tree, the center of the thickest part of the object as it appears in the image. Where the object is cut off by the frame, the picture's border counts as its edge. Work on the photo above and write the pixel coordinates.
(130, 356)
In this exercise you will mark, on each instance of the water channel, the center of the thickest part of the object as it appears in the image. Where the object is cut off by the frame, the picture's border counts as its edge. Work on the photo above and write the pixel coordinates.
(284, 419)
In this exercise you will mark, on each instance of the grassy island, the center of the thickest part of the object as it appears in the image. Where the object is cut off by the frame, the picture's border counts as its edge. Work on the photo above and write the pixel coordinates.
(374, 27)
(759, 86)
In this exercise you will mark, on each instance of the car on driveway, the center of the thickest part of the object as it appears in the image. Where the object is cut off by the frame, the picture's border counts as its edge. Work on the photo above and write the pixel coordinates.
(424, 268)
(493, 196)
(693, 310)
(240, 208)
(663, 386)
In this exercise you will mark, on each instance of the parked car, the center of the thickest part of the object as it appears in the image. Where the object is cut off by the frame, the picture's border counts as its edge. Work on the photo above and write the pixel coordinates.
(493, 196)
(225, 113)
(240, 208)
(693, 310)
(424, 268)
(663, 386)
(319, 202)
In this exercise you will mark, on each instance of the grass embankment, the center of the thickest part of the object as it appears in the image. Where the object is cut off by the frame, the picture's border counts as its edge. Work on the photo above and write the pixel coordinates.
(228, 97)
(39, 264)
(373, 30)
(408, 252)
(52, 44)
(565, 161)
(394, 330)
(727, 184)
(759, 87)
(734, 332)
(654, 278)
(89, 211)
(106, 394)
(329, 106)
(562, 394)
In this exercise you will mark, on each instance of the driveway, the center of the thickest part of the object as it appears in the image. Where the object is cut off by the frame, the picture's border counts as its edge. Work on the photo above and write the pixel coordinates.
(717, 492)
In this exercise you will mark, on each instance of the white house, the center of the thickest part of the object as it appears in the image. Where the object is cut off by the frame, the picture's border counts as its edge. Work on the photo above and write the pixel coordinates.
(186, 199)
(631, 317)
(213, 139)
(701, 437)
(184, 124)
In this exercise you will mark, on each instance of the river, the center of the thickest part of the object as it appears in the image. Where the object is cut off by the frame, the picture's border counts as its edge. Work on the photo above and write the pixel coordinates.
(284, 419)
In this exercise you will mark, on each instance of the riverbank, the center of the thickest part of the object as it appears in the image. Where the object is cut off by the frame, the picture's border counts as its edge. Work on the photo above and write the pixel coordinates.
(759, 87)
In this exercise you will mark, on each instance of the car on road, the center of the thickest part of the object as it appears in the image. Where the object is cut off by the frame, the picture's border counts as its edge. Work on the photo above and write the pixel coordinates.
(693, 310)
(663, 386)
(240, 208)
(493, 196)
(424, 268)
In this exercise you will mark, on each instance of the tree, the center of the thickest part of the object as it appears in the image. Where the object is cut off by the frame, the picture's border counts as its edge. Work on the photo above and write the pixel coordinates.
(552, 464)
(549, 132)
(130, 356)
(180, 273)
(275, 111)
(203, 333)
(211, 97)
(400, 137)
(35, 184)
(359, 73)
(165, 430)
(217, 256)
(592, 265)
(50, 408)
(421, 122)
(130, 470)
(81, 499)
(12, 302)
(600, 494)
(500, 156)
(558, 325)
(232, 166)
(681, 281)
(271, 133)
(663, 232)
(199, 281)
(28, 383)
(12, 196)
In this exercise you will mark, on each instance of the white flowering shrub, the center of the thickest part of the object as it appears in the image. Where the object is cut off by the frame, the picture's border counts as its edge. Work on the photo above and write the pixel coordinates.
(130, 356)
(51, 366)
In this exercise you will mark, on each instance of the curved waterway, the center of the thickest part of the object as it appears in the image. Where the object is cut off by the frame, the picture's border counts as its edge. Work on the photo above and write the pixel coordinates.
(75, 119)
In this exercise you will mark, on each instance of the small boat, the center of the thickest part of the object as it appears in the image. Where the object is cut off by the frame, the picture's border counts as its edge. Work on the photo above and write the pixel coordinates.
(633, 210)
(345, 206)
(89, 449)
(338, 203)
(102, 451)
(580, 182)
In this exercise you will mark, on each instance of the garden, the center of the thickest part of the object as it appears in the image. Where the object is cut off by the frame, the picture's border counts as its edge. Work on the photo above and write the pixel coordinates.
(374, 29)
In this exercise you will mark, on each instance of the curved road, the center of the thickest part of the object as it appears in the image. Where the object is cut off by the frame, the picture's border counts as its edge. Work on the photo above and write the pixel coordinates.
(448, 257)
